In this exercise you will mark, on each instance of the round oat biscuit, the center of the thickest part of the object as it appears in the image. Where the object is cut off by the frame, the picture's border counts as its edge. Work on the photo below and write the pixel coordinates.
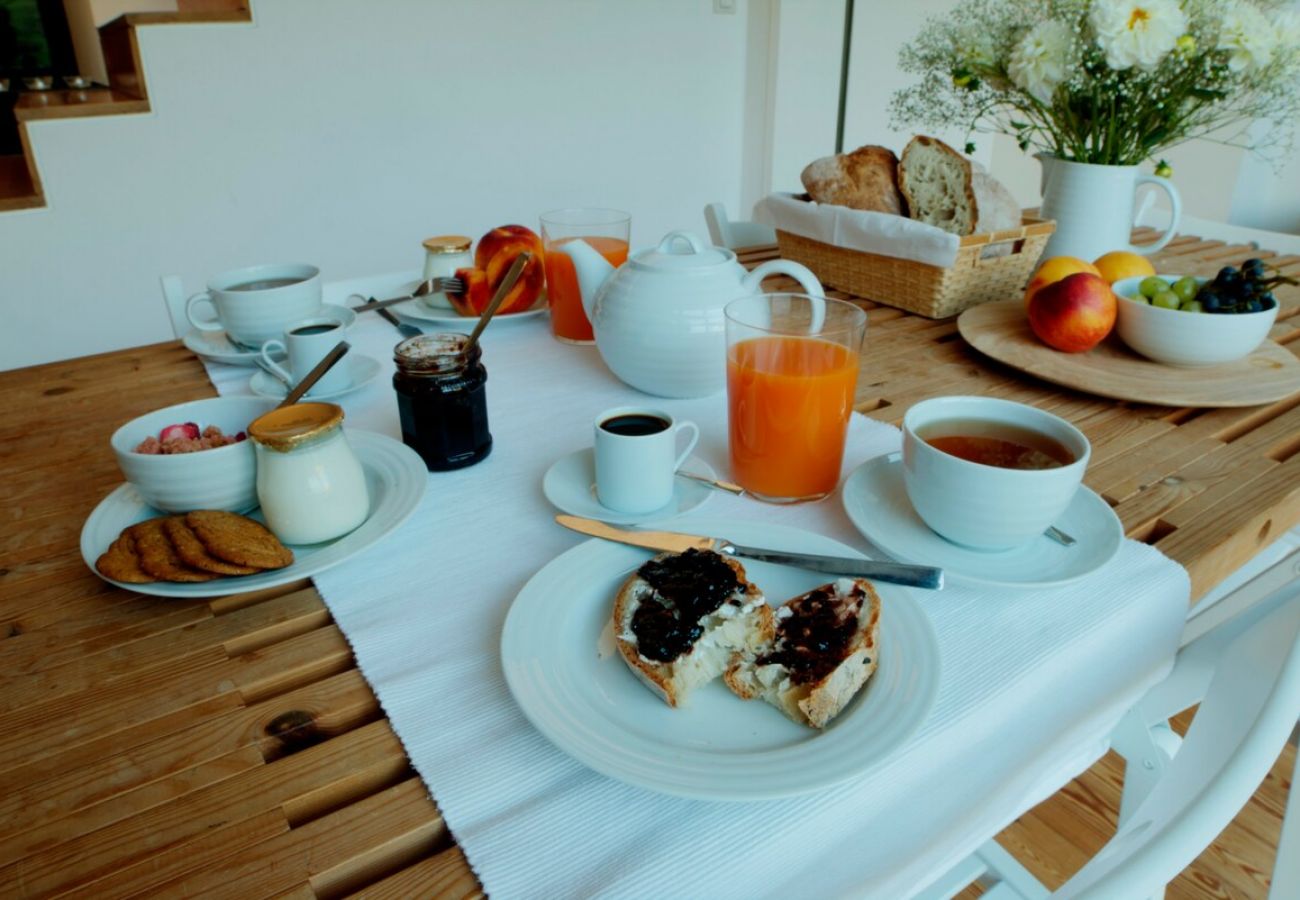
(120, 562)
(238, 539)
(158, 557)
(192, 552)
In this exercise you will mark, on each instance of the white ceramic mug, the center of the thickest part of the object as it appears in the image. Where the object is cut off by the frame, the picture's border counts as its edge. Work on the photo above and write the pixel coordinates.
(981, 506)
(637, 457)
(254, 304)
(306, 342)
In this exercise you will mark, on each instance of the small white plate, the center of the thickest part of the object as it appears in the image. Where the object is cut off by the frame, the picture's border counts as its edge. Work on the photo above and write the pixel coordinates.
(218, 347)
(395, 476)
(570, 485)
(361, 371)
(876, 501)
(419, 312)
(570, 681)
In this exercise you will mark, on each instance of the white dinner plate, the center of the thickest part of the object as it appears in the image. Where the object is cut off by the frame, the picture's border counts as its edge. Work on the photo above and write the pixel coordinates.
(558, 653)
(876, 501)
(361, 371)
(570, 485)
(218, 347)
(395, 476)
(418, 312)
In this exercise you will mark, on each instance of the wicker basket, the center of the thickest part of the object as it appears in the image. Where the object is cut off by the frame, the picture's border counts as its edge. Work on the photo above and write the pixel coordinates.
(917, 287)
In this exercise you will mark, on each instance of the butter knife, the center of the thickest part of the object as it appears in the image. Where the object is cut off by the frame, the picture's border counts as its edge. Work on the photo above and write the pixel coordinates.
(896, 573)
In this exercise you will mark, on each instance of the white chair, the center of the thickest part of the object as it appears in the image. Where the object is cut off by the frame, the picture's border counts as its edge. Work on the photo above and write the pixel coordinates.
(174, 297)
(726, 233)
(1178, 795)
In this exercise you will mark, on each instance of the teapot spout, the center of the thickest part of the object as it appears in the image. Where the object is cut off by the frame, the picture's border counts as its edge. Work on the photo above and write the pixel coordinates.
(592, 269)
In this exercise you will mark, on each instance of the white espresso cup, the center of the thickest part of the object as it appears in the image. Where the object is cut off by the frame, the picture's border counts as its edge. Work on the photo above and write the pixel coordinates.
(637, 457)
(985, 506)
(254, 304)
(306, 342)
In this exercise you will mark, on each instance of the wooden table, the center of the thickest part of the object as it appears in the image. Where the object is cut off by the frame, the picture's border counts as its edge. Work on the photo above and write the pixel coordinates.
(231, 745)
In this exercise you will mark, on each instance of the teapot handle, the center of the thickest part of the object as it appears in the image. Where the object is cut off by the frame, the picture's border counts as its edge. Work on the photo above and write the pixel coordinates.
(802, 274)
(697, 245)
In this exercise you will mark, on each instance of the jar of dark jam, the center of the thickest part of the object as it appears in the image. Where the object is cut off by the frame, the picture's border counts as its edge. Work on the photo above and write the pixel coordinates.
(442, 400)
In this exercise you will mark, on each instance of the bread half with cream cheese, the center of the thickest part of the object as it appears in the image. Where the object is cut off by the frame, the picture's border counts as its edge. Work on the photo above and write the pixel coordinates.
(679, 618)
(824, 649)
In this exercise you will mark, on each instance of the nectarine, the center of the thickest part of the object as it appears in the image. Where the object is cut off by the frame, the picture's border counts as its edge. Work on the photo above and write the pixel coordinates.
(1055, 269)
(1073, 314)
(493, 257)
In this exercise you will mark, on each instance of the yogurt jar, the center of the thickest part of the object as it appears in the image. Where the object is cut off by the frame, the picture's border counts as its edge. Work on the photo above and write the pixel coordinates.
(443, 255)
(309, 482)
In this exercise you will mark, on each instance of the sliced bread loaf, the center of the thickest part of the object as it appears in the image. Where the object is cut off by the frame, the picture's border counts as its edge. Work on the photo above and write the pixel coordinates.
(947, 190)
(865, 179)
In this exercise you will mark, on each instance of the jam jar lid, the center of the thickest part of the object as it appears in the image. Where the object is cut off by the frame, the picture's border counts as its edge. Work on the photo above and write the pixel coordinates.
(289, 427)
(434, 354)
(447, 243)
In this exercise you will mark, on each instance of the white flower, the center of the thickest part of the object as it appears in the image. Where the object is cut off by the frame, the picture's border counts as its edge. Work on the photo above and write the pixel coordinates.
(1248, 37)
(1288, 29)
(1042, 59)
(1137, 32)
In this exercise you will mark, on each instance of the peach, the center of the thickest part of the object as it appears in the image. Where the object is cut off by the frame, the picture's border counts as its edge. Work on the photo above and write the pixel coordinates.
(493, 257)
(1073, 314)
(1054, 269)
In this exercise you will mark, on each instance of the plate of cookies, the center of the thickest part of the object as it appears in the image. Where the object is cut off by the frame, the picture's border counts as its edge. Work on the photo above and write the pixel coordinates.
(208, 553)
(717, 678)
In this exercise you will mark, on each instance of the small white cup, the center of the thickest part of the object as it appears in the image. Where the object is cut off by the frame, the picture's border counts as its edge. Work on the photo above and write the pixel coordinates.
(988, 507)
(306, 343)
(637, 457)
(254, 304)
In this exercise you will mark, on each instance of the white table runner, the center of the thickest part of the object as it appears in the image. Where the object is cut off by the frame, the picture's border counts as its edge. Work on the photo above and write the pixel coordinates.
(1031, 681)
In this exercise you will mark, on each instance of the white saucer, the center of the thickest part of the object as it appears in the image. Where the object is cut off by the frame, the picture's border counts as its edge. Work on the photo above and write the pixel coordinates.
(876, 501)
(361, 371)
(417, 311)
(218, 347)
(570, 485)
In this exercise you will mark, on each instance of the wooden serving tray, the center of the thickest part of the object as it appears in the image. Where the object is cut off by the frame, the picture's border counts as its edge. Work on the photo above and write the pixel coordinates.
(1000, 330)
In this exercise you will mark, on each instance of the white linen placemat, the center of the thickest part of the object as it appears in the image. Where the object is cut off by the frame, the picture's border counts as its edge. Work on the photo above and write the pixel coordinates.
(1031, 683)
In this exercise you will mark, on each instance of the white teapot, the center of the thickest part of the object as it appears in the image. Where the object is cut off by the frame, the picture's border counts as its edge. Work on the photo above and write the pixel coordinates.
(658, 317)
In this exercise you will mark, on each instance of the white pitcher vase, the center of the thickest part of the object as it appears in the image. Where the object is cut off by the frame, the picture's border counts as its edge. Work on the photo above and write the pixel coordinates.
(1093, 207)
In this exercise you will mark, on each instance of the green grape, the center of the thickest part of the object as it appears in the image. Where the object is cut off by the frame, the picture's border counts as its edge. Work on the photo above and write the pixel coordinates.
(1152, 285)
(1191, 306)
(1166, 300)
(1185, 288)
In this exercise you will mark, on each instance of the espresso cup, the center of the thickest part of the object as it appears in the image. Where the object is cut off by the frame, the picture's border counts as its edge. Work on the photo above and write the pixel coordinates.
(637, 457)
(982, 505)
(254, 304)
(307, 342)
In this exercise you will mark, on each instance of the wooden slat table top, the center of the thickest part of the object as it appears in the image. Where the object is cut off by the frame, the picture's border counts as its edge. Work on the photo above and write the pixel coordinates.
(231, 745)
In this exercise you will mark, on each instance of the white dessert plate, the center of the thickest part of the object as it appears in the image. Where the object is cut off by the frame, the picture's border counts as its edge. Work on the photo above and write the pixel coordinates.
(419, 312)
(361, 371)
(558, 653)
(876, 501)
(218, 347)
(570, 485)
(395, 475)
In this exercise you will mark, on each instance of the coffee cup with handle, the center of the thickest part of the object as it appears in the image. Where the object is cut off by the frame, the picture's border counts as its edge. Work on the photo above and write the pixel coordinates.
(254, 304)
(637, 457)
(1009, 472)
(306, 342)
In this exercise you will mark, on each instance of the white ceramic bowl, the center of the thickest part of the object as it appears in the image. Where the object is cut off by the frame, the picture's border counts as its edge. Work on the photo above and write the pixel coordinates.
(220, 478)
(1187, 339)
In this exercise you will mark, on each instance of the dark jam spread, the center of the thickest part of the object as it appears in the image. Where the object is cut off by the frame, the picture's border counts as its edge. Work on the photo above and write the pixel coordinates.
(442, 400)
(815, 637)
(687, 587)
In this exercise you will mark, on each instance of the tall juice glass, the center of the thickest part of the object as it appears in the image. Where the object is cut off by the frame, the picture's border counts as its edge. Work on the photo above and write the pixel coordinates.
(792, 368)
(607, 230)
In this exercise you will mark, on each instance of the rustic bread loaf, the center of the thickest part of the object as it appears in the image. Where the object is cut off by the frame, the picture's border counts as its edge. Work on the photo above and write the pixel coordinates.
(865, 179)
(947, 190)
(679, 618)
(824, 650)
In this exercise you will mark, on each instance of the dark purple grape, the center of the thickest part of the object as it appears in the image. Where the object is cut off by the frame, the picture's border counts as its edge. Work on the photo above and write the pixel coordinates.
(1254, 305)
(1253, 269)
(1210, 300)
(1267, 300)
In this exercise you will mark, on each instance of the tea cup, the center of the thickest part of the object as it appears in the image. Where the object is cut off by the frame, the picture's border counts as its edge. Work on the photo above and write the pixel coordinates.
(637, 457)
(307, 342)
(254, 304)
(981, 505)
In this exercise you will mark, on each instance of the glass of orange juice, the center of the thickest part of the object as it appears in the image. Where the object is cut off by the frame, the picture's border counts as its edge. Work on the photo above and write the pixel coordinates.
(607, 230)
(792, 368)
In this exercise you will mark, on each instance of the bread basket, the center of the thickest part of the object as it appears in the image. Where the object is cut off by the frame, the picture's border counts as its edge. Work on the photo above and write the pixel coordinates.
(927, 290)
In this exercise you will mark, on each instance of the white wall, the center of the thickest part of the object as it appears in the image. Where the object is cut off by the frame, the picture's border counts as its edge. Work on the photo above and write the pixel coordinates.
(342, 133)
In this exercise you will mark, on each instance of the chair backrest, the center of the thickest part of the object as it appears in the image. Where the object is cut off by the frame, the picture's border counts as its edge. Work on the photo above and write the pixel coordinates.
(1249, 709)
(726, 233)
(174, 297)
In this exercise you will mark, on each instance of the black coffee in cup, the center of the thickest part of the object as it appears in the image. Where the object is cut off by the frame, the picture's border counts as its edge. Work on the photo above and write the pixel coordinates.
(264, 284)
(313, 329)
(635, 425)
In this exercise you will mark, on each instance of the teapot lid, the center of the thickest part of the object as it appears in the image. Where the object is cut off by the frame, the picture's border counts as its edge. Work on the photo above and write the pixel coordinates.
(682, 250)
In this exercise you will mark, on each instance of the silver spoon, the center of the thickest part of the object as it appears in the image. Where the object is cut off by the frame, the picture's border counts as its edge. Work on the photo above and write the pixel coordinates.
(715, 483)
(1059, 536)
